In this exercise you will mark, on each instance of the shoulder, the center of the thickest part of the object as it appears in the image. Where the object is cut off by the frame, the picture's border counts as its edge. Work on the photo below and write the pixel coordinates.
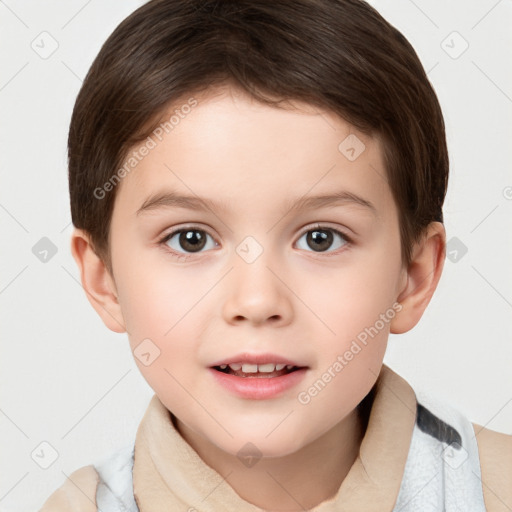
(76, 494)
(105, 485)
(495, 450)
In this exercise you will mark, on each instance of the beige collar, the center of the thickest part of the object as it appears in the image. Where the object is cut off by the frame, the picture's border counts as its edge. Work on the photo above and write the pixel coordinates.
(169, 475)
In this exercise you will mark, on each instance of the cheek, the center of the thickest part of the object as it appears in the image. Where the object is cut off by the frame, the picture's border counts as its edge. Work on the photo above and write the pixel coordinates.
(162, 322)
(355, 305)
(158, 311)
(155, 296)
(349, 299)
(348, 360)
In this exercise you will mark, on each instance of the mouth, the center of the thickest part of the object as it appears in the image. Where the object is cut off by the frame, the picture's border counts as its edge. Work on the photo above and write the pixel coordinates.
(258, 376)
(257, 371)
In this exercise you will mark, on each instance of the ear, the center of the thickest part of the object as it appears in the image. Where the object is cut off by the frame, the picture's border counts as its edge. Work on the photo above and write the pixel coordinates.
(421, 278)
(97, 282)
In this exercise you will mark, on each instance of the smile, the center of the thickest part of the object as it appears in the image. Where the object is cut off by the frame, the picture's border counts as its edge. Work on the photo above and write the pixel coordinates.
(249, 370)
(255, 384)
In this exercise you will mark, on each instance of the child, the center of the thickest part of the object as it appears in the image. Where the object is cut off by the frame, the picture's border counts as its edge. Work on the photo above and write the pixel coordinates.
(265, 129)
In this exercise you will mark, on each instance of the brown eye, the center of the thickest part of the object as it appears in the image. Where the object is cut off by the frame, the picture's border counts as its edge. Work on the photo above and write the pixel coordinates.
(188, 240)
(320, 239)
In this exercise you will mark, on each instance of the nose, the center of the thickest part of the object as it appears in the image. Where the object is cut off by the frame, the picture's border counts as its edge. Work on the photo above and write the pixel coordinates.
(258, 294)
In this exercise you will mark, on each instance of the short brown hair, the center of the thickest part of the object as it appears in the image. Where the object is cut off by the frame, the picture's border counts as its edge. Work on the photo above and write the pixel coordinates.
(339, 55)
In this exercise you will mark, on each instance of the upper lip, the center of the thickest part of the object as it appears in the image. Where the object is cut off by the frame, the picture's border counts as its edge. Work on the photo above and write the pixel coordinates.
(256, 359)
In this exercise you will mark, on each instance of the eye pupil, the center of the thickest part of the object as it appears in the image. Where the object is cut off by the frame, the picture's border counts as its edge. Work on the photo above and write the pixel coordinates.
(320, 238)
(192, 240)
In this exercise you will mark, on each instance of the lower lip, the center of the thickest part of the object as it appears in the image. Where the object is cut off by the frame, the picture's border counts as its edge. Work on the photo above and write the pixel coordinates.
(258, 388)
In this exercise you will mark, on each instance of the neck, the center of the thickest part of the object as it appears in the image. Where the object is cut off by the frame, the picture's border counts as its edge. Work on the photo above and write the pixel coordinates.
(297, 481)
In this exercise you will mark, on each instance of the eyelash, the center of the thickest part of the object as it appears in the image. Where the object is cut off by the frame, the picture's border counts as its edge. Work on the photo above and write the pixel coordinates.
(185, 256)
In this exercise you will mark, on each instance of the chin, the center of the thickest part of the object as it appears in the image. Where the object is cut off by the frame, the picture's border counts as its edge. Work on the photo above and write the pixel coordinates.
(261, 444)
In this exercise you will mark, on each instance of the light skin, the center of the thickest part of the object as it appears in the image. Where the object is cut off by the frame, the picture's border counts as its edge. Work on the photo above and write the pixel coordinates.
(304, 304)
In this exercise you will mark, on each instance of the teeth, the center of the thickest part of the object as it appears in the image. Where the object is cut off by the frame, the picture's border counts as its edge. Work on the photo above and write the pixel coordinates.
(255, 368)
(266, 368)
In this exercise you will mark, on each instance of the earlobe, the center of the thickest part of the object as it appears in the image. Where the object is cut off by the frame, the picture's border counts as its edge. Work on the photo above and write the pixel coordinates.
(97, 282)
(422, 278)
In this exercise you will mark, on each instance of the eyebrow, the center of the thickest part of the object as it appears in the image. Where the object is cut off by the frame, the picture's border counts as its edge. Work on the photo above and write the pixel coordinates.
(170, 199)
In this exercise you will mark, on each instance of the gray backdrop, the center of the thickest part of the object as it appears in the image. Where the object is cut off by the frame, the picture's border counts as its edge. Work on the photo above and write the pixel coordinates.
(64, 403)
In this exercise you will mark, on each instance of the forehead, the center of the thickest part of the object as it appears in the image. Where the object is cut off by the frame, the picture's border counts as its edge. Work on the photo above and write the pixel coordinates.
(237, 151)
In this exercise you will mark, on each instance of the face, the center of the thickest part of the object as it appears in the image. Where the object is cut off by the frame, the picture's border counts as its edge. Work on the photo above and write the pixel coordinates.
(261, 273)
